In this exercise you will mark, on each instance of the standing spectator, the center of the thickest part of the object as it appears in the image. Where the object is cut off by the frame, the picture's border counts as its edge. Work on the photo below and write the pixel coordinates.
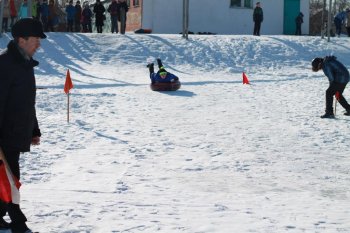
(6, 15)
(13, 12)
(77, 19)
(113, 10)
(34, 9)
(339, 20)
(44, 12)
(99, 10)
(258, 18)
(338, 76)
(70, 10)
(348, 22)
(23, 10)
(86, 18)
(19, 127)
(123, 6)
(298, 21)
(52, 17)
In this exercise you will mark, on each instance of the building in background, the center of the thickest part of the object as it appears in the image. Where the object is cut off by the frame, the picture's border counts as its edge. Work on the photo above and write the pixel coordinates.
(224, 16)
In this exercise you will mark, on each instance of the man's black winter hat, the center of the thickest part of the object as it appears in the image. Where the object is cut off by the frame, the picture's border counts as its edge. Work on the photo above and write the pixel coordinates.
(316, 61)
(27, 27)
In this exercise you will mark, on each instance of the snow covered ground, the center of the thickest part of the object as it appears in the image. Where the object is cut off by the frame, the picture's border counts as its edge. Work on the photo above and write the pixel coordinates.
(215, 156)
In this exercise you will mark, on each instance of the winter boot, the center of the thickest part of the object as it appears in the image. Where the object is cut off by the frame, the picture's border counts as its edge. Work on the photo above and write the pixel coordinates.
(328, 115)
(160, 64)
(151, 68)
(347, 113)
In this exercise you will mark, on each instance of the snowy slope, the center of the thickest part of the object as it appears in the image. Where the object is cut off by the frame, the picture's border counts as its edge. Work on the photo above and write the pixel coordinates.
(215, 156)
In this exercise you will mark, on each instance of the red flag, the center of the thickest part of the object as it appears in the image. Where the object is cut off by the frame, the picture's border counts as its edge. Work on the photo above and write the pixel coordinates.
(68, 84)
(245, 79)
(5, 188)
(337, 95)
(9, 184)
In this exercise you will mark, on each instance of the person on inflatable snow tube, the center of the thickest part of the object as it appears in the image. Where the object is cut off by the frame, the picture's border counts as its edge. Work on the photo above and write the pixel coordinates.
(163, 80)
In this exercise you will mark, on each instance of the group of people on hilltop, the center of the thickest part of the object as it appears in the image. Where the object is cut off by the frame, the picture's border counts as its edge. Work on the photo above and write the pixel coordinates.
(78, 18)
(42, 11)
(77, 15)
(118, 10)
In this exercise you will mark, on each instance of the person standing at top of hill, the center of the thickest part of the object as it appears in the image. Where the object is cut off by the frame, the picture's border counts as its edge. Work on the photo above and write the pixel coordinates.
(339, 20)
(99, 11)
(70, 10)
(86, 16)
(77, 18)
(298, 22)
(258, 18)
(23, 10)
(52, 21)
(348, 24)
(113, 10)
(338, 76)
(123, 10)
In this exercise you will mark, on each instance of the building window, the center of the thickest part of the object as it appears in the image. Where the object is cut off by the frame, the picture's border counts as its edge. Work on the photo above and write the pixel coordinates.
(248, 3)
(136, 2)
(235, 3)
(242, 3)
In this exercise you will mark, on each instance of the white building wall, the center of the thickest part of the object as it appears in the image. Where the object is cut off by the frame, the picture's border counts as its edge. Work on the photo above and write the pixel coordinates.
(165, 16)
(305, 9)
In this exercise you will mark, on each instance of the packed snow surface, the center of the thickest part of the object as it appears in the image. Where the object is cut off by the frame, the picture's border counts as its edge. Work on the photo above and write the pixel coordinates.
(215, 156)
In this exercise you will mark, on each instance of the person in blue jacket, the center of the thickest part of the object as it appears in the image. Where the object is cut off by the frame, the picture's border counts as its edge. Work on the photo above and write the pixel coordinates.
(44, 13)
(162, 76)
(338, 76)
(339, 20)
(70, 10)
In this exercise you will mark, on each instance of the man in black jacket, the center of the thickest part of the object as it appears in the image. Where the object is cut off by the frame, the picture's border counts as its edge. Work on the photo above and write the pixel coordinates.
(258, 17)
(18, 123)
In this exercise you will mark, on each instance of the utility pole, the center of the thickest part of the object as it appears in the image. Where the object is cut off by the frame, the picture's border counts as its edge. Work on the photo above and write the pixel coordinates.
(322, 24)
(329, 22)
(185, 19)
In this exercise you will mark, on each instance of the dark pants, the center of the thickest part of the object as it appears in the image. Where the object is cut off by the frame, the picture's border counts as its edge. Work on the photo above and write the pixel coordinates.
(87, 27)
(338, 25)
(348, 30)
(70, 25)
(14, 211)
(298, 30)
(114, 23)
(77, 25)
(257, 26)
(331, 91)
(5, 24)
(122, 21)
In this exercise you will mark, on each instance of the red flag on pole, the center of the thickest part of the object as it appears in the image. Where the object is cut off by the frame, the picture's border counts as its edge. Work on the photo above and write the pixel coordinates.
(245, 79)
(9, 184)
(68, 84)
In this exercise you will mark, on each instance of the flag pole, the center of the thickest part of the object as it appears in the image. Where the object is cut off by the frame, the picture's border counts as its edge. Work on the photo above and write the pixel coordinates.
(67, 86)
(337, 97)
(335, 106)
(68, 107)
